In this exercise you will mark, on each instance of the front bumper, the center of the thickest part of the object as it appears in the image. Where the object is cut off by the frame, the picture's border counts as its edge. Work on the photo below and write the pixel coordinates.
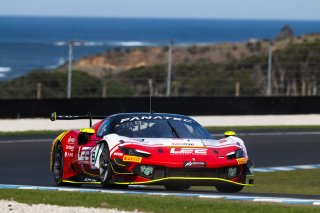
(156, 175)
(192, 181)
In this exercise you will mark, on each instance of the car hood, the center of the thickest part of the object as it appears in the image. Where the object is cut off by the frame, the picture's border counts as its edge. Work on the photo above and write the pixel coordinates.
(114, 139)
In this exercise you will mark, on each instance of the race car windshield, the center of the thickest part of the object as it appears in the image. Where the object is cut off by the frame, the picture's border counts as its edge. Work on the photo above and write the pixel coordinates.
(161, 129)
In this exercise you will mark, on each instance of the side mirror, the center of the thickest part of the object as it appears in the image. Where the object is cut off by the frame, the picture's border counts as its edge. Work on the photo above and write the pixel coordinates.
(87, 131)
(83, 137)
(229, 133)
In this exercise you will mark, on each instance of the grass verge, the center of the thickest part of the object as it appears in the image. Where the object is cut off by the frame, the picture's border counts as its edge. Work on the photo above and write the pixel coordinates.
(286, 182)
(290, 182)
(145, 203)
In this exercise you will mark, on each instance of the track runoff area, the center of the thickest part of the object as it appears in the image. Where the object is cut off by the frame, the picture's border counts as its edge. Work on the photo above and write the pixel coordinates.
(270, 152)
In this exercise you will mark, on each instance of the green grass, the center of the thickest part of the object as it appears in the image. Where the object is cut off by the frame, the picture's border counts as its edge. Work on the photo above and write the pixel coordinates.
(286, 182)
(145, 203)
(290, 182)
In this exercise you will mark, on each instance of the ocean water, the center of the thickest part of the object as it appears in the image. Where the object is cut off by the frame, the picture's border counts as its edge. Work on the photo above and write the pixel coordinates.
(28, 43)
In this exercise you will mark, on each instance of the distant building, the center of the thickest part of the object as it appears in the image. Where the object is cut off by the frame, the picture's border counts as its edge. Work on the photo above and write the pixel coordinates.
(285, 32)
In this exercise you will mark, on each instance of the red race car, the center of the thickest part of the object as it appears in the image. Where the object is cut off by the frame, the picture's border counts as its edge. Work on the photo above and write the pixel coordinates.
(149, 148)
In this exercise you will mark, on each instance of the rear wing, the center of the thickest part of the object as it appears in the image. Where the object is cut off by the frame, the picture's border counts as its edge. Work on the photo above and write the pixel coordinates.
(54, 116)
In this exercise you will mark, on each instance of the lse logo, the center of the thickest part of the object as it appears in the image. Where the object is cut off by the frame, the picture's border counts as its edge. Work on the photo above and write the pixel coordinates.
(84, 155)
(188, 151)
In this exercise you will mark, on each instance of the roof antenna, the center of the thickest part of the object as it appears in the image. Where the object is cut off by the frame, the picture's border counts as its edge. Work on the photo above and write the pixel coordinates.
(90, 117)
(150, 94)
(150, 102)
(122, 107)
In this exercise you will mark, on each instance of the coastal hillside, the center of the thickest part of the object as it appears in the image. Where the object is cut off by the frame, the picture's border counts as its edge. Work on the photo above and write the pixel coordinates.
(119, 60)
(228, 69)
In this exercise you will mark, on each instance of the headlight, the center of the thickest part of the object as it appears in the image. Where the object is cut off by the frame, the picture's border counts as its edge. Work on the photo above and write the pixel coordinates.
(134, 152)
(236, 154)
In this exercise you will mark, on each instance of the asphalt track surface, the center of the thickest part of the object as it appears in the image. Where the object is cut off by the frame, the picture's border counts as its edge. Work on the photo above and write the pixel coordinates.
(25, 160)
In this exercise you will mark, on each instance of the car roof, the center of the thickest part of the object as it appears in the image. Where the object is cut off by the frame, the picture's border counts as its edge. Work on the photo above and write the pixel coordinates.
(147, 114)
(154, 115)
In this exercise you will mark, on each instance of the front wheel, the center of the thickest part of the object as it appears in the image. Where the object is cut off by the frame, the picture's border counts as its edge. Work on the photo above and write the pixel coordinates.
(229, 188)
(104, 167)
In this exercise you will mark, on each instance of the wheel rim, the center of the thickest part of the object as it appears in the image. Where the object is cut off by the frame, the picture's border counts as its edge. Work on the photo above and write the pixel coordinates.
(58, 164)
(104, 166)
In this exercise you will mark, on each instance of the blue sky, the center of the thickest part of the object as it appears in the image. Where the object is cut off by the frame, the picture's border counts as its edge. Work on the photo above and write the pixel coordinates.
(217, 9)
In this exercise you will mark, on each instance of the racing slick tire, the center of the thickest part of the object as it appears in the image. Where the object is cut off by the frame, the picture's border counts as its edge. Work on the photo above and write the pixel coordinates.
(172, 187)
(105, 168)
(58, 165)
(229, 188)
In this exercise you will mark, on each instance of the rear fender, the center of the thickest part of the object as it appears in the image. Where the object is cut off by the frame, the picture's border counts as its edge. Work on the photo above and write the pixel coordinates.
(54, 144)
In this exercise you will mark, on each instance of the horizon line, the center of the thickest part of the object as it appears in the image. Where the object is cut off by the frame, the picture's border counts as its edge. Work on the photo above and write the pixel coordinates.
(157, 18)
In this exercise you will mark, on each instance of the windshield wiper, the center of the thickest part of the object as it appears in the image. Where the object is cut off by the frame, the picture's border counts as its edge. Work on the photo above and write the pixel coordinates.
(174, 131)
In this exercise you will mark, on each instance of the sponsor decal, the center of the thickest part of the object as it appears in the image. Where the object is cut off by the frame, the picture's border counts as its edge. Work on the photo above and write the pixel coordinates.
(84, 153)
(86, 148)
(71, 140)
(89, 180)
(242, 160)
(141, 118)
(68, 154)
(147, 170)
(232, 172)
(194, 164)
(96, 155)
(70, 147)
(182, 144)
(118, 154)
(188, 151)
(223, 140)
(129, 158)
(93, 157)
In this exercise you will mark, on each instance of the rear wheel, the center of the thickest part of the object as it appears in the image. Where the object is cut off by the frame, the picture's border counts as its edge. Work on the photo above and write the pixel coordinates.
(229, 188)
(58, 165)
(172, 187)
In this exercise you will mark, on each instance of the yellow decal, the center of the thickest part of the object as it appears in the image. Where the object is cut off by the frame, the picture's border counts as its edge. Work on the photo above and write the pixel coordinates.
(242, 160)
(130, 158)
(88, 131)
